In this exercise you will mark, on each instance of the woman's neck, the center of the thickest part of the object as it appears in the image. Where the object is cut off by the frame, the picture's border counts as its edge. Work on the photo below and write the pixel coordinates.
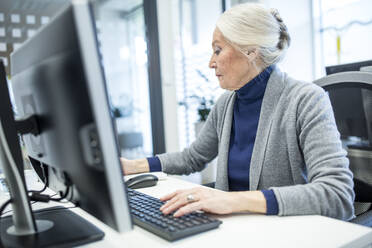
(254, 72)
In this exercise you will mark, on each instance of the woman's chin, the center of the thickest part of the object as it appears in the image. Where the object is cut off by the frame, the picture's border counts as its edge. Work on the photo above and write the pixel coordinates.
(223, 85)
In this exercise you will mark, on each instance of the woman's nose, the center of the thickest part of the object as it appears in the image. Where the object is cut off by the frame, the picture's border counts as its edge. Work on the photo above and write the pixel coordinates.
(212, 63)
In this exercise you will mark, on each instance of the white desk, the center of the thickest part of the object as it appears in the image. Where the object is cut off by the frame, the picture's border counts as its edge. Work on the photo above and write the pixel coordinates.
(242, 230)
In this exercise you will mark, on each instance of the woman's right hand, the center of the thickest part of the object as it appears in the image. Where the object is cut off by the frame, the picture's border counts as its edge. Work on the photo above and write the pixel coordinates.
(134, 166)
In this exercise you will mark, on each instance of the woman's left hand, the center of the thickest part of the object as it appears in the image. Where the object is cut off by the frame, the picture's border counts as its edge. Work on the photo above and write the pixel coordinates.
(199, 198)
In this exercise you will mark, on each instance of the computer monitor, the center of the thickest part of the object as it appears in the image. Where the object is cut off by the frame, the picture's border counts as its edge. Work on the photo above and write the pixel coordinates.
(347, 67)
(351, 106)
(57, 76)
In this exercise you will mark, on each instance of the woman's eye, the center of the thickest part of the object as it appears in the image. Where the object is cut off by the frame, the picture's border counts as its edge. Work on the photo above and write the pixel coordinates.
(217, 51)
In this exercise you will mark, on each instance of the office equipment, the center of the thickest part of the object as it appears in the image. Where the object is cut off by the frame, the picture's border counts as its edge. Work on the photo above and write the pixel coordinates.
(351, 117)
(142, 181)
(244, 228)
(58, 81)
(146, 214)
(26, 228)
(12, 164)
(347, 67)
(351, 98)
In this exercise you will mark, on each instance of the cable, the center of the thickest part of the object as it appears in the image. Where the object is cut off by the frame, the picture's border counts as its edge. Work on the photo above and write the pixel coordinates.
(63, 196)
(1, 213)
(37, 197)
(46, 198)
(33, 202)
(45, 179)
(4, 206)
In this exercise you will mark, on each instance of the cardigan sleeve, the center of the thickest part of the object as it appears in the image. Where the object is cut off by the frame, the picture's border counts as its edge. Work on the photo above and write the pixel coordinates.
(329, 190)
(203, 150)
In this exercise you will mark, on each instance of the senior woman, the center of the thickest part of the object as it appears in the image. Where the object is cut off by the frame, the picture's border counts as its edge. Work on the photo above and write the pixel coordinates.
(279, 151)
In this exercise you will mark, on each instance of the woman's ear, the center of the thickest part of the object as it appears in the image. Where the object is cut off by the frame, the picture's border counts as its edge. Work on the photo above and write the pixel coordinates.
(252, 55)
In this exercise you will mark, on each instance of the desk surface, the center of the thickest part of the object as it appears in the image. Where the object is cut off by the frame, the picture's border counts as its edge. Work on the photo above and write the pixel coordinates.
(248, 229)
(241, 229)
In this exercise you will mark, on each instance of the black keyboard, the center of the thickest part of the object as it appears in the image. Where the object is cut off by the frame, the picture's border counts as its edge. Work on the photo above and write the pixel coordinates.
(146, 214)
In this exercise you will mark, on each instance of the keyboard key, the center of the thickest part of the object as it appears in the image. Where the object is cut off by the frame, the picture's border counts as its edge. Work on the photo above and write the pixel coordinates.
(146, 214)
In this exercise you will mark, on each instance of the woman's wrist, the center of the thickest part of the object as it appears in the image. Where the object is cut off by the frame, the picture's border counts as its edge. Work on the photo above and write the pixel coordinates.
(248, 201)
(134, 166)
(142, 165)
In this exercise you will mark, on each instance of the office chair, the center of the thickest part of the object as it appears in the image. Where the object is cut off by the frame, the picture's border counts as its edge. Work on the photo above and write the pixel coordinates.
(354, 118)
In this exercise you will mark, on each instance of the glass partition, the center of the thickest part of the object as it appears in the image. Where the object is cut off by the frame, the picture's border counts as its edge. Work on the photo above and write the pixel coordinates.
(122, 38)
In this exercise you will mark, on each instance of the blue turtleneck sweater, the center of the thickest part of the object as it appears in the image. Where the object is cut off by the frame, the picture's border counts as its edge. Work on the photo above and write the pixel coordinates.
(247, 109)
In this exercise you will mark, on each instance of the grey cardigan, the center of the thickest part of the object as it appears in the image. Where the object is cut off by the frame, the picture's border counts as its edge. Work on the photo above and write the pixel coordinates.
(297, 151)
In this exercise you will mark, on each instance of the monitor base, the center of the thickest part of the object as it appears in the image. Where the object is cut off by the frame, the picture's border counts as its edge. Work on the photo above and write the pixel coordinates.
(68, 230)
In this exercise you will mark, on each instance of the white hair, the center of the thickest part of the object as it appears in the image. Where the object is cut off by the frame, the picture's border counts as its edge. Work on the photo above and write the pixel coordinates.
(252, 26)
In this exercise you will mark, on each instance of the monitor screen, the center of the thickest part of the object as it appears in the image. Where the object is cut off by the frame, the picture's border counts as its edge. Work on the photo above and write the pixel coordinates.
(57, 76)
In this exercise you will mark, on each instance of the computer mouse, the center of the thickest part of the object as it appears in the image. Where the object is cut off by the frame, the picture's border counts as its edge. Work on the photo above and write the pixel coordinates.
(142, 181)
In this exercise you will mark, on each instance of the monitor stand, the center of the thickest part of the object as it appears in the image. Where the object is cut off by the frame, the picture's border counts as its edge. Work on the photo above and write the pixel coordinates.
(63, 229)
(57, 226)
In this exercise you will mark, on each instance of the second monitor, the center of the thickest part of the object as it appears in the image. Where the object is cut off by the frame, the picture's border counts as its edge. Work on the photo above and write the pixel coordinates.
(57, 76)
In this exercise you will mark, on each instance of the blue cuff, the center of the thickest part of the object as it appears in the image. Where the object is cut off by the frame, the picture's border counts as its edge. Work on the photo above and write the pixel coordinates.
(154, 164)
(271, 202)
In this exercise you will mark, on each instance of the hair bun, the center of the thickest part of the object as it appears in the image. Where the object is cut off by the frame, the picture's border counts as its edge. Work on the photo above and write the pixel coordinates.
(284, 38)
(275, 13)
